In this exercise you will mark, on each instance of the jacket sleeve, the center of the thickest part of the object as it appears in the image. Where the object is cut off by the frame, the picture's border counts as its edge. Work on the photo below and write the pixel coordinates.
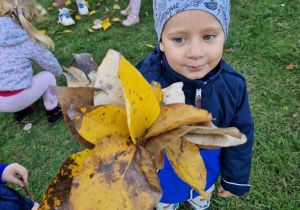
(236, 161)
(2, 167)
(44, 58)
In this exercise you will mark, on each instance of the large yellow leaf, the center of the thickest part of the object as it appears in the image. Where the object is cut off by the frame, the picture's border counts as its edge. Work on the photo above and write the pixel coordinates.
(76, 95)
(176, 115)
(141, 104)
(188, 164)
(97, 122)
(58, 190)
(117, 175)
(156, 88)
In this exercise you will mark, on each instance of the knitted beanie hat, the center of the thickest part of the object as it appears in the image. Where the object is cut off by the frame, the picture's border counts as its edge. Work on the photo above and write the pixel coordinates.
(165, 9)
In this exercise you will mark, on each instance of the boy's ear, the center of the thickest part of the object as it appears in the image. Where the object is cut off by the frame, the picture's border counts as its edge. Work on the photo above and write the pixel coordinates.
(161, 46)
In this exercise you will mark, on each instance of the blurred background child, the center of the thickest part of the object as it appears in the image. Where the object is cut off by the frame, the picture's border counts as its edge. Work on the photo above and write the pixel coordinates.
(21, 43)
(132, 12)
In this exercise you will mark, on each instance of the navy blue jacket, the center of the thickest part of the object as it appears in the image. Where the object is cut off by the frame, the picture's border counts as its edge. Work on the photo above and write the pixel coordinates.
(224, 95)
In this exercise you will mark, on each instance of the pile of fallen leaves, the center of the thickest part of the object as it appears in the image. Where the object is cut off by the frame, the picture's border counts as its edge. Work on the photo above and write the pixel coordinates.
(125, 123)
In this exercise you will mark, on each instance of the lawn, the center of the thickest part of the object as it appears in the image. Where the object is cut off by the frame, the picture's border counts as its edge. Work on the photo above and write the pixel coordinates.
(264, 38)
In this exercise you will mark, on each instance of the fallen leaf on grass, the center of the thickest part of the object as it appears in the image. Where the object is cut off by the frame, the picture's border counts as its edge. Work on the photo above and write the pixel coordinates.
(115, 19)
(149, 45)
(42, 31)
(91, 30)
(116, 6)
(110, 15)
(27, 127)
(289, 67)
(68, 2)
(229, 50)
(106, 25)
(77, 17)
(93, 12)
(97, 26)
(66, 31)
(87, 4)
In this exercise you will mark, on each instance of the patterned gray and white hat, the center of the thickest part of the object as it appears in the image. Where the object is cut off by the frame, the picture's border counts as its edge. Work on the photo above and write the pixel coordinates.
(164, 9)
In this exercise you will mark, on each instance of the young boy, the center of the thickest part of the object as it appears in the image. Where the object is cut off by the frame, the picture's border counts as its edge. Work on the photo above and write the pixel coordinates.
(9, 198)
(191, 36)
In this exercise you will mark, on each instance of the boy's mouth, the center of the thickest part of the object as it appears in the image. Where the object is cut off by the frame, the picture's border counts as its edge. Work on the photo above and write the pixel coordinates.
(195, 68)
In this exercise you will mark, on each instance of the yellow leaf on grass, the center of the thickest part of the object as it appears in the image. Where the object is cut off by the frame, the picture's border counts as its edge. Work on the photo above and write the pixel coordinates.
(54, 4)
(188, 164)
(42, 31)
(106, 25)
(117, 175)
(116, 6)
(116, 19)
(77, 17)
(87, 4)
(66, 31)
(91, 30)
(68, 2)
(141, 104)
(149, 45)
(93, 12)
(101, 121)
(58, 190)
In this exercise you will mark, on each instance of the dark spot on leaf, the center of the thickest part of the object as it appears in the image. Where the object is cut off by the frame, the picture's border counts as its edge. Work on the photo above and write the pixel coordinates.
(91, 176)
(75, 185)
(105, 167)
(134, 111)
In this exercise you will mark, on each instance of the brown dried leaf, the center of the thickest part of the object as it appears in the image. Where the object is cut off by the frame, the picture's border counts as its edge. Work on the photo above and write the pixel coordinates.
(155, 144)
(76, 78)
(116, 175)
(108, 81)
(85, 63)
(176, 115)
(110, 14)
(289, 67)
(217, 140)
(76, 95)
(173, 94)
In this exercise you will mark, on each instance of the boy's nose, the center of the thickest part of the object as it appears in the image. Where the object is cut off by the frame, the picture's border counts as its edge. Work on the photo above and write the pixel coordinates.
(196, 50)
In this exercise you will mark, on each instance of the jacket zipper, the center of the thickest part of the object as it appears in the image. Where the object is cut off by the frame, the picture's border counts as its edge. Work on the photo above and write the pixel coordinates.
(199, 97)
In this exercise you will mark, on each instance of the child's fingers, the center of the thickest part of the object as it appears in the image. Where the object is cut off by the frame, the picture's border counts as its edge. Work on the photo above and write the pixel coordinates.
(35, 206)
(16, 181)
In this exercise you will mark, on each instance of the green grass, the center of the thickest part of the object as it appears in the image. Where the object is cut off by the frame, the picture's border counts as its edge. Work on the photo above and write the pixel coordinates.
(265, 37)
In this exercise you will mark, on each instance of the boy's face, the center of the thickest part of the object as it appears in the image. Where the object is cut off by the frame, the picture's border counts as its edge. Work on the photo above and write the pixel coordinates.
(193, 43)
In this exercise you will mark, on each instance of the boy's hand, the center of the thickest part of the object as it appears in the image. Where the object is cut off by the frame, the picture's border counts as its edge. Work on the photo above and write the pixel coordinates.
(10, 172)
(223, 193)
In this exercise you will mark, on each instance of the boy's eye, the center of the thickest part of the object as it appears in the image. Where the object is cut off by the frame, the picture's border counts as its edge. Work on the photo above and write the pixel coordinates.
(208, 37)
(179, 40)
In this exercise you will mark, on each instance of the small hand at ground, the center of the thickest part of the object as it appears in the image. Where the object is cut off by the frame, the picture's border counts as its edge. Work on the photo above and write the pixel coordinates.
(36, 206)
(223, 193)
(10, 172)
